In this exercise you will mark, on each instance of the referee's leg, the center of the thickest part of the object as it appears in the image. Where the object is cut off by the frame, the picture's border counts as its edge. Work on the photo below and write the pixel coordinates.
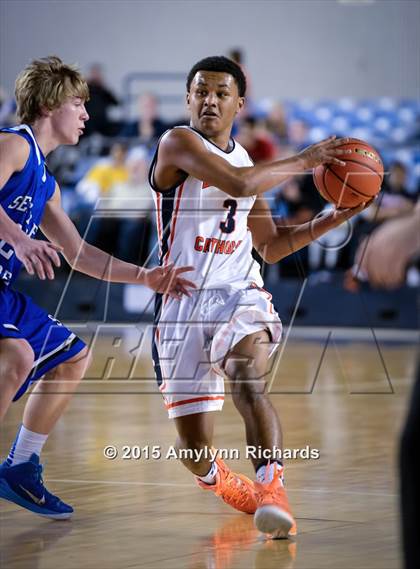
(410, 480)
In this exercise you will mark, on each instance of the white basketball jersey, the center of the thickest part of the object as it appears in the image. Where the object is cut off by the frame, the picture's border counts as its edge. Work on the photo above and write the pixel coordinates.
(202, 226)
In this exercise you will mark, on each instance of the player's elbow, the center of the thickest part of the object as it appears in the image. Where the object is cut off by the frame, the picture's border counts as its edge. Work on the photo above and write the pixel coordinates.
(267, 254)
(270, 258)
(272, 252)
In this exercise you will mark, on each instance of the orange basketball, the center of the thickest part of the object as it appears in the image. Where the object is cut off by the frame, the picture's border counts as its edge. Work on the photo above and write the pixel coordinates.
(356, 182)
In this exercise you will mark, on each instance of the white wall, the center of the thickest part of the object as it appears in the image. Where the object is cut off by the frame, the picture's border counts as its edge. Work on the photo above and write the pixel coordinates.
(319, 48)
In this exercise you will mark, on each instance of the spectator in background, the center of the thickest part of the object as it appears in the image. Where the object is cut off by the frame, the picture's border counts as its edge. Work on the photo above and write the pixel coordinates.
(257, 140)
(276, 122)
(119, 184)
(299, 200)
(148, 126)
(99, 182)
(133, 198)
(102, 99)
(298, 134)
(237, 55)
(105, 174)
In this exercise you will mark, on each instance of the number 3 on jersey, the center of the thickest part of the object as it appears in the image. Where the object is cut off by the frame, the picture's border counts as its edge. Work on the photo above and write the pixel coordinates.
(228, 225)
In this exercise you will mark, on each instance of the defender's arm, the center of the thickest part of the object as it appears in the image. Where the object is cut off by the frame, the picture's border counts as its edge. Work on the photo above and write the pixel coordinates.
(90, 260)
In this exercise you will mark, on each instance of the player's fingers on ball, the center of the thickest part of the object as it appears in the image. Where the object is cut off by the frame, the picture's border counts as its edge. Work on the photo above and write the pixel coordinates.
(334, 160)
(340, 141)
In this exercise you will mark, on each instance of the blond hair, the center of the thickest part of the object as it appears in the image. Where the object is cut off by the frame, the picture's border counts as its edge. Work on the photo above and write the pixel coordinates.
(47, 83)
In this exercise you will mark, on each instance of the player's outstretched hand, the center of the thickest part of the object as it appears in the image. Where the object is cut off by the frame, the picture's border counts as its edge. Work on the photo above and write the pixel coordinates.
(325, 152)
(168, 280)
(38, 257)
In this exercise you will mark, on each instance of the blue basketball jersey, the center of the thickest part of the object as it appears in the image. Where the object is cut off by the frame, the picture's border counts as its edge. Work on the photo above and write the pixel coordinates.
(23, 198)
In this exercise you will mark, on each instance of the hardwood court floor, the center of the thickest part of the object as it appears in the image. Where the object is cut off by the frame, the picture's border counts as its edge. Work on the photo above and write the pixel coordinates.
(149, 513)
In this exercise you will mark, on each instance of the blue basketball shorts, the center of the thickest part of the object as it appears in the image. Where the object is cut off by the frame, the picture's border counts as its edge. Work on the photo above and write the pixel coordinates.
(51, 342)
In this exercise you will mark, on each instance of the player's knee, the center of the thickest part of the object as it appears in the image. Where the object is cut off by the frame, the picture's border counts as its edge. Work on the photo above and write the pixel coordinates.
(17, 370)
(242, 371)
(85, 360)
(75, 368)
(247, 393)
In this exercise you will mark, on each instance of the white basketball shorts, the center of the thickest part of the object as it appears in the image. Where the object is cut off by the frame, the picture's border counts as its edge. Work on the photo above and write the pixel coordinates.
(192, 337)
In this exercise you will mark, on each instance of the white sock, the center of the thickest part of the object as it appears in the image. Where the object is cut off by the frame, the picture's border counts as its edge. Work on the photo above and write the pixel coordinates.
(265, 473)
(210, 477)
(26, 443)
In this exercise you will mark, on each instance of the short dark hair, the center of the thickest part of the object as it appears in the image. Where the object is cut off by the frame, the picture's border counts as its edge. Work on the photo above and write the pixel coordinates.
(220, 64)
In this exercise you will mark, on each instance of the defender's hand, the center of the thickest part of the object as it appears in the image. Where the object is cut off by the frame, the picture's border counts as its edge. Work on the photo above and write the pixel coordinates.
(38, 257)
(168, 280)
(324, 152)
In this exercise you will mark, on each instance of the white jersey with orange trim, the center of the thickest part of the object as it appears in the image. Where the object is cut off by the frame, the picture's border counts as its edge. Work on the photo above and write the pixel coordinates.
(202, 226)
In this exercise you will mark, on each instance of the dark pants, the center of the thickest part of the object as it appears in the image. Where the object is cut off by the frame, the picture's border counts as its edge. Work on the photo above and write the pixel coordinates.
(410, 481)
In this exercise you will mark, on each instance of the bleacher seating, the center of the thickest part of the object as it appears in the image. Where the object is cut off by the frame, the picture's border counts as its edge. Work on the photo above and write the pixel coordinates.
(392, 126)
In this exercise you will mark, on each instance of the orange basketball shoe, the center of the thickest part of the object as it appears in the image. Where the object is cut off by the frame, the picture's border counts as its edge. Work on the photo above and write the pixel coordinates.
(235, 489)
(273, 513)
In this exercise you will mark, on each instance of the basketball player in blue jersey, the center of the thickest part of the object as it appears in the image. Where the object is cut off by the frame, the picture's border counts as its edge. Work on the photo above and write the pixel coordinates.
(210, 213)
(50, 99)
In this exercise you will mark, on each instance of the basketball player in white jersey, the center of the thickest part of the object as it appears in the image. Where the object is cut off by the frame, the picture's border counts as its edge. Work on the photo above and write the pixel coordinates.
(210, 214)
